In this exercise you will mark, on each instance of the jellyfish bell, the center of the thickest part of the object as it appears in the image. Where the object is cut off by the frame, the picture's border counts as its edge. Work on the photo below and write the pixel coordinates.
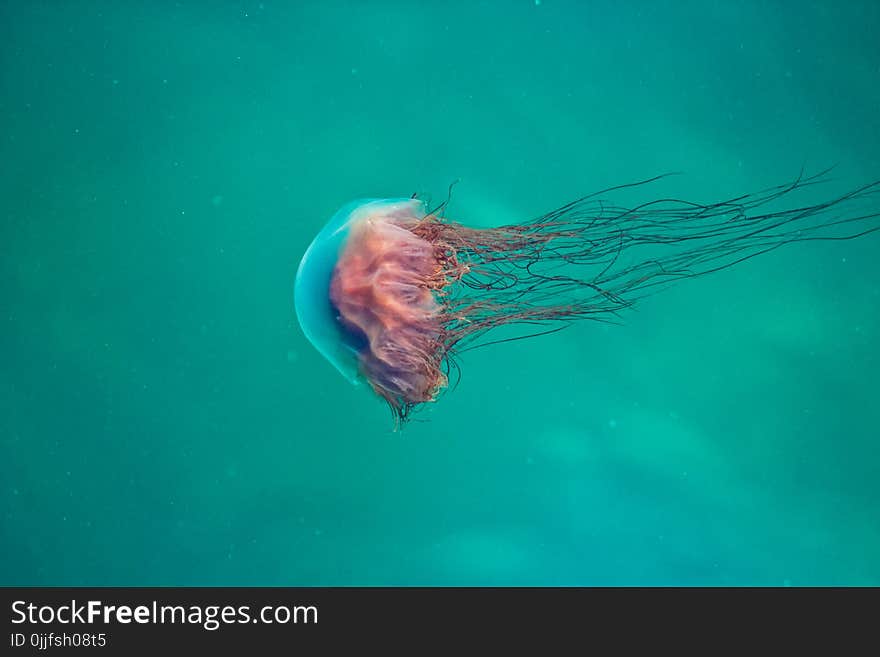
(346, 286)
(391, 292)
(315, 313)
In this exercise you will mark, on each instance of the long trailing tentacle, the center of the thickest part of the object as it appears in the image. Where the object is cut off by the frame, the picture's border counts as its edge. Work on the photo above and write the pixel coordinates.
(592, 258)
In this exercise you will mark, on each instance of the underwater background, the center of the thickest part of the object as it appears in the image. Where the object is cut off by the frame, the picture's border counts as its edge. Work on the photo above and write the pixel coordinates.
(163, 166)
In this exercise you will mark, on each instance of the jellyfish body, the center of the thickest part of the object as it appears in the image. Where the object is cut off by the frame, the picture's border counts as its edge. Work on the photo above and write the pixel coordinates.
(317, 316)
(390, 291)
(367, 297)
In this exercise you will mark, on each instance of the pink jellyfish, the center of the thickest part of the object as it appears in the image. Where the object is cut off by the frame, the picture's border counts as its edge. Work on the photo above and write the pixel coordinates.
(390, 291)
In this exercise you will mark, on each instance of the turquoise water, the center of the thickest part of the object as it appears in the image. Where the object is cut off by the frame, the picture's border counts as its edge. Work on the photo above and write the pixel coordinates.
(164, 165)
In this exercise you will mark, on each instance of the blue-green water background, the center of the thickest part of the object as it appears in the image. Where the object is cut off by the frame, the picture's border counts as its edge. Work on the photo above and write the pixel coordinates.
(164, 165)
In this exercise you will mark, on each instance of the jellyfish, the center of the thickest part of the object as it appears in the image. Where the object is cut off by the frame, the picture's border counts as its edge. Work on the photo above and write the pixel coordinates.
(392, 291)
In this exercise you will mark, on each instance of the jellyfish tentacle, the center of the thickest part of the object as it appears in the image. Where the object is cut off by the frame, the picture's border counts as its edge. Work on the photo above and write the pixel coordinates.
(522, 265)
